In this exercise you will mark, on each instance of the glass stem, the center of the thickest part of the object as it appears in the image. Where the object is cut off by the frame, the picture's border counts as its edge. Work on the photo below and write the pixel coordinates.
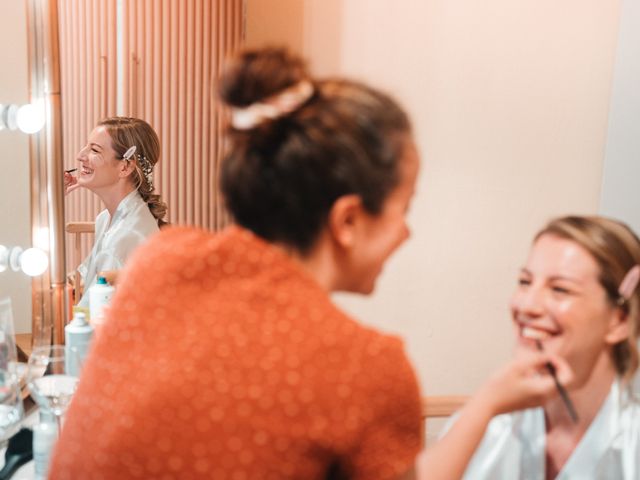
(58, 423)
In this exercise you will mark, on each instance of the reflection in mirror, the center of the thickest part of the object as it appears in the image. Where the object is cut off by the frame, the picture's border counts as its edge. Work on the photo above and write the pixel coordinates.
(133, 61)
(157, 61)
(136, 59)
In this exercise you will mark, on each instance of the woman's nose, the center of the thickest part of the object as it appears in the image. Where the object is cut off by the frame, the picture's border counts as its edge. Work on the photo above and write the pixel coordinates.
(82, 155)
(529, 301)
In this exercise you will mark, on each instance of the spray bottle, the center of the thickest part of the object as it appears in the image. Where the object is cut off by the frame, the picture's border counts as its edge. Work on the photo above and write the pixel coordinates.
(77, 338)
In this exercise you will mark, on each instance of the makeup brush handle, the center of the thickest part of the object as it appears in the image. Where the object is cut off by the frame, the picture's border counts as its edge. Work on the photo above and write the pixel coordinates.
(563, 394)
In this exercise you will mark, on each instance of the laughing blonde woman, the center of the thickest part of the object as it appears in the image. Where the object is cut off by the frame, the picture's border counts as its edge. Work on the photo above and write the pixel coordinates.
(577, 296)
(117, 165)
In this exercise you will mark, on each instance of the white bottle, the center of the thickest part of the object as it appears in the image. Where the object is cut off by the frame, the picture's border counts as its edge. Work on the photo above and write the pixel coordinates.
(99, 297)
(77, 339)
(45, 435)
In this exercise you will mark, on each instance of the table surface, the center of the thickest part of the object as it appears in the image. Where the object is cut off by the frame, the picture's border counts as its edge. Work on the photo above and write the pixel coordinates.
(23, 342)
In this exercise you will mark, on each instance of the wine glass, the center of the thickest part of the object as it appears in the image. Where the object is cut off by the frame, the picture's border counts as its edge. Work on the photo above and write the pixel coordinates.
(11, 411)
(50, 383)
(8, 353)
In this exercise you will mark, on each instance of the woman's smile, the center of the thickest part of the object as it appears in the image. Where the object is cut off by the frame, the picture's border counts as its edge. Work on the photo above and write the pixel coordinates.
(537, 332)
(84, 170)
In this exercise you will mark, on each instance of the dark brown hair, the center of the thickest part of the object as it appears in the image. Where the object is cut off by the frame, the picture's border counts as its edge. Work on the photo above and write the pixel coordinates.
(281, 177)
(616, 249)
(126, 132)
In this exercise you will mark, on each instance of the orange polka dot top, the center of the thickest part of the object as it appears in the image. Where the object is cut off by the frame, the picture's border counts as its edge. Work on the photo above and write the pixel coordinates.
(221, 358)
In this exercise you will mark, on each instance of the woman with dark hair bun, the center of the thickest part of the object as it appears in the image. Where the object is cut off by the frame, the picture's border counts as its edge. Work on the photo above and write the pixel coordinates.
(244, 368)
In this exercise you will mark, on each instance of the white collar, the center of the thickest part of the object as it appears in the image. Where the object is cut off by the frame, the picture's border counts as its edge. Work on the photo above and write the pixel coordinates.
(125, 206)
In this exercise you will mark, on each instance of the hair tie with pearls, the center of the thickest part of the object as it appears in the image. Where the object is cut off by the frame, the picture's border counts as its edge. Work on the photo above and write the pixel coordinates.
(275, 106)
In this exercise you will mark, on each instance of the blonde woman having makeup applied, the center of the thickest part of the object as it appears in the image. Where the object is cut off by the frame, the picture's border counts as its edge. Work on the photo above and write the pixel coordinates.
(578, 297)
(117, 165)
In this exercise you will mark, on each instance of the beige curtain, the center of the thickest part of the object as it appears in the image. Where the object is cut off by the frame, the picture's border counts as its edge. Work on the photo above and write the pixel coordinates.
(161, 65)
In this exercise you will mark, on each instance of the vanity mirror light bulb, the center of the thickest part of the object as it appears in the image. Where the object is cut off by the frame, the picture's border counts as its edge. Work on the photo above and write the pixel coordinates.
(4, 258)
(34, 262)
(30, 118)
(8, 114)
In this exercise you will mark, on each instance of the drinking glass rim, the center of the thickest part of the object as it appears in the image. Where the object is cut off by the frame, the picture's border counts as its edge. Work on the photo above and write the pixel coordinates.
(51, 352)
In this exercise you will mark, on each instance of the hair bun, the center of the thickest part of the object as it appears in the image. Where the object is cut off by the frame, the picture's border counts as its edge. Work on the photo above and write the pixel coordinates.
(257, 74)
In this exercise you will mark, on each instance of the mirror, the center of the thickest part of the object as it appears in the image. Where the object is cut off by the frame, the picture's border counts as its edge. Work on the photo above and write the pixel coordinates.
(15, 206)
(557, 110)
(33, 203)
(118, 67)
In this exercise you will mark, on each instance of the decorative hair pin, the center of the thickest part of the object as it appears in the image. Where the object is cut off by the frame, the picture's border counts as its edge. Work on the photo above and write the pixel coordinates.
(145, 165)
(276, 106)
(129, 153)
(147, 170)
(628, 284)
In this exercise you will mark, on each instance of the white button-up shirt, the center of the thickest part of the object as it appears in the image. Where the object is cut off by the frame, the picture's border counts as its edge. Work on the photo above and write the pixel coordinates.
(116, 238)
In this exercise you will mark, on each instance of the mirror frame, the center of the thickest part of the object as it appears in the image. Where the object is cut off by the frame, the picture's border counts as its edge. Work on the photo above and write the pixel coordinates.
(49, 298)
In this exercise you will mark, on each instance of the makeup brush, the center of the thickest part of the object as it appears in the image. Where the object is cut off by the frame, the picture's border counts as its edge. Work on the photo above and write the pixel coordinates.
(19, 451)
(563, 393)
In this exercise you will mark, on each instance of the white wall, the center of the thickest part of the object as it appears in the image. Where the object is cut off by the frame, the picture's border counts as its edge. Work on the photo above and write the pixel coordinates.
(14, 158)
(621, 176)
(509, 102)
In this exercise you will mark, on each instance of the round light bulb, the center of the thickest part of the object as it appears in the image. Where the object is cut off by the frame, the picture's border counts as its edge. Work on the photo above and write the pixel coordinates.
(34, 262)
(9, 116)
(4, 258)
(30, 117)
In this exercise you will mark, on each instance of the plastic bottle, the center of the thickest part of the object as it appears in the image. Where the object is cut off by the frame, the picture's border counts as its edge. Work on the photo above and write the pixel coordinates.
(77, 337)
(45, 434)
(99, 297)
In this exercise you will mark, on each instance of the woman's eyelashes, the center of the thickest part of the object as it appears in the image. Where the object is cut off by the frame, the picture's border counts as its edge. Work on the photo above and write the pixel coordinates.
(555, 288)
(559, 289)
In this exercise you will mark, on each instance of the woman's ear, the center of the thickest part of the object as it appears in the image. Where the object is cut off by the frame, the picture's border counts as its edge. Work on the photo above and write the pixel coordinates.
(127, 167)
(343, 220)
(619, 328)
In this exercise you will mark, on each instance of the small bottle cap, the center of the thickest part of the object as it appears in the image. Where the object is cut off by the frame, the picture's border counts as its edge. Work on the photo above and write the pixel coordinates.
(79, 318)
(102, 281)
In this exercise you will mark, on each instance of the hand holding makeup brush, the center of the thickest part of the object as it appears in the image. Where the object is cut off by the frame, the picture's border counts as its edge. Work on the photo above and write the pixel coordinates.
(70, 182)
(525, 382)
